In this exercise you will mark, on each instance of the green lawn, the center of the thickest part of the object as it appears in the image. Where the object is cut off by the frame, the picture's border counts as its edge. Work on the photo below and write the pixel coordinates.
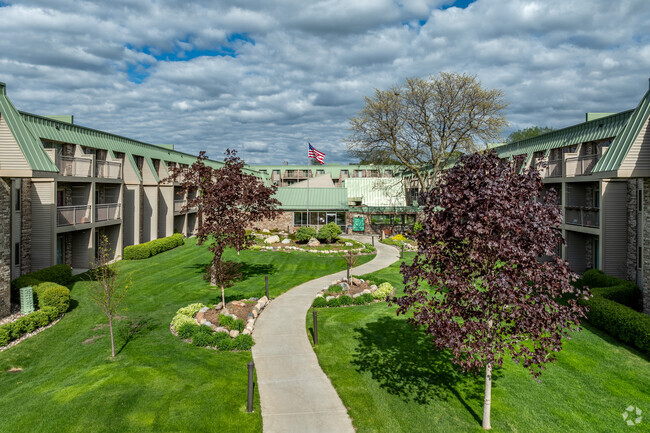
(392, 380)
(156, 382)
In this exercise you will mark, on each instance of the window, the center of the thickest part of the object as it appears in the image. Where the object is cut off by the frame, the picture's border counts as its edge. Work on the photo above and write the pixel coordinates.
(344, 172)
(276, 172)
(358, 173)
(17, 253)
(388, 173)
(263, 171)
(304, 173)
(320, 171)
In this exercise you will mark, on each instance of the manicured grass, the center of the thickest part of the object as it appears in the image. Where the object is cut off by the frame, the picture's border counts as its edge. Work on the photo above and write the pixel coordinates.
(392, 380)
(156, 382)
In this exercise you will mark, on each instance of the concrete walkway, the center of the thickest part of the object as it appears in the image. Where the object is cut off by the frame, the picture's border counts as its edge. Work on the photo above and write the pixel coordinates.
(295, 394)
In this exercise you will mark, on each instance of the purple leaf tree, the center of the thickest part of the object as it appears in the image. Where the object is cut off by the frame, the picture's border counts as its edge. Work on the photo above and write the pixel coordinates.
(228, 201)
(486, 282)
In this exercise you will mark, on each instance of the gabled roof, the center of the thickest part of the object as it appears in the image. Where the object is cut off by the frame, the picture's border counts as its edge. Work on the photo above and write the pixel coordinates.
(29, 144)
(625, 138)
(319, 198)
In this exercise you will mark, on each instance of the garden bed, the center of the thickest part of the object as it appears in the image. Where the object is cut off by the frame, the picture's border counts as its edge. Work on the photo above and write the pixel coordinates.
(354, 292)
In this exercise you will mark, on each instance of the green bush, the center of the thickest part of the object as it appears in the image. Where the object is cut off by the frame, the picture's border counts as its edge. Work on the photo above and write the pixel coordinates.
(328, 233)
(345, 300)
(57, 297)
(60, 274)
(187, 329)
(239, 325)
(366, 298)
(19, 283)
(137, 252)
(319, 302)
(621, 322)
(218, 336)
(243, 342)
(417, 226)
(190, 310)
(151, 248)
(225, 344)
(384, 290)
(40, 318)
(303, 234)
(5, 335)
(39, 290)
(181, 319)
(51, 312)
(204, 329)
(334, 289)
(202, 339)
(226, 321)
(334, 302)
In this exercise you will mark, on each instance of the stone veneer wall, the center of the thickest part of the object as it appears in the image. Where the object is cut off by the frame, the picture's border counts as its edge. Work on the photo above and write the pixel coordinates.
(632, 187)
(284, 220)
(646, 246)
(5, 246)
(26, 227)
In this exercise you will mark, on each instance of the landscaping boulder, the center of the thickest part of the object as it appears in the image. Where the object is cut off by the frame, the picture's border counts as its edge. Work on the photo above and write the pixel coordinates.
(206, 323)
(373, 287)
(222, 329)
(234, 333)
(313, 242)
(366, 291)
(266, 231)
(246, 331)
(348, 244)
(356, 295)
(344, 286)
(199, 316)
(355, 281)
(272, 239)
(264, 299)
(330, 297)
(286, 241)
(219, 306)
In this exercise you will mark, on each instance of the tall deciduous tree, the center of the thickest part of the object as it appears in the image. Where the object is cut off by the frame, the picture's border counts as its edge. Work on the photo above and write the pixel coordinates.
(228, 201)
(477, 284)
(425, 124)
(525, 133)
(106, 291)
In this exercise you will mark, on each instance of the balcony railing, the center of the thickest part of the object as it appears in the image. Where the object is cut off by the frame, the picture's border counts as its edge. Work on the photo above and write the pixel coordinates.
(554, 168)
(71, 166)
(108, 211)
(108, 169)
(178, 205)
(582, 216)
(581, 165)
(72, 215)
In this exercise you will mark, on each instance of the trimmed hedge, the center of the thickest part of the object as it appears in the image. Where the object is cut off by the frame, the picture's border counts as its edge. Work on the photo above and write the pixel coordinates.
(303, 234)
(27, 324)
(610, 309)
(328, 233)
(151, 248)
(57, 297)
(59, 274)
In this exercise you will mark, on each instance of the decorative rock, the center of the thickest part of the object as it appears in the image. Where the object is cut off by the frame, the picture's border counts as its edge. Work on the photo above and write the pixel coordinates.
(264, 299)
(214, 327)
(246, 332)
(234, 333)
(254, 313)
(348, 244)
(344, 286)
(356, 295)
(286, 241)
(225, 312)
(253, 299)
(199, 316)
(266, 231)
(373, 287)
(319, 295)
(313, 242)
(366, 291)
(222, 329)
(219, 306)
(330, 297)
(272, 239)
(250, 322)
(206, 323)
(355, 281)
(204, 309)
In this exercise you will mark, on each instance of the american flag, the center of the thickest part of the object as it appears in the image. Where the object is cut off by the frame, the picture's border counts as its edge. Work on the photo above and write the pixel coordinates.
(317, 155)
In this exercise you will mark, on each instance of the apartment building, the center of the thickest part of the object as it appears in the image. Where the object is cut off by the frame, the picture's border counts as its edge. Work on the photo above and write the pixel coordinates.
(287, 175)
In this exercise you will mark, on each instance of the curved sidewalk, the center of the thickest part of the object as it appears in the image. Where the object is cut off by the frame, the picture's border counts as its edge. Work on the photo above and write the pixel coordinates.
(295, 394)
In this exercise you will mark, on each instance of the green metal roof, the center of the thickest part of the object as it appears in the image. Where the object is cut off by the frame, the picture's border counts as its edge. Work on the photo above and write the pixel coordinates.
(598, 129)
(333, 169)
(625, 138)
(29, 143)
(319, 198)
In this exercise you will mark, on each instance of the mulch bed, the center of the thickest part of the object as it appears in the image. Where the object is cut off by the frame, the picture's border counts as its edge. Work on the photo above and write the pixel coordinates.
(238, 308)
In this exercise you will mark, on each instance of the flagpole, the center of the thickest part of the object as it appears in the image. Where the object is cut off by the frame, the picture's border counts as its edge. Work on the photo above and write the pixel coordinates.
(308, 143)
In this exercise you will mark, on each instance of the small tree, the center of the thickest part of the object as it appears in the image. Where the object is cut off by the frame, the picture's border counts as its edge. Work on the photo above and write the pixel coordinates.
(477, 284)
(106, 291)
(228, 201)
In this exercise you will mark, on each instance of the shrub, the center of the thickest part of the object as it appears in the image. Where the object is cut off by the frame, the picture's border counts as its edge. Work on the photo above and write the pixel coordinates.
(60, 274)
(334, 289)
(243, 342)
(303, 234)
(218, 336)
(151, 248)
(51, 312)
(367, 298)
(5, 335)
(334, 302)
(202, 339)
(226, 321)
(39, 290)
(190, 310)
(40, 318)
(345, 300)
(417, 226)
(180, 319)
(239, 325)
(225, 343)
(621, 322)
(329, 232)
(18, 328)
(399, 238)
(319, 302)
(57, 297)
(597, 278)
(187, 329)
(137, 252)
(384, 290)
(203, 329)
(19, 283)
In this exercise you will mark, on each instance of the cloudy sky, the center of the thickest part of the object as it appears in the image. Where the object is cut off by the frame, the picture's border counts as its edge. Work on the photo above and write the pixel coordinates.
(262, 76)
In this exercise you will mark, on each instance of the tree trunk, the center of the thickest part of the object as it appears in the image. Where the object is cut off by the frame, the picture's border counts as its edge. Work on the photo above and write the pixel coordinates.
(487, 402)
(213, 274)
(110, 325)
(223, 297)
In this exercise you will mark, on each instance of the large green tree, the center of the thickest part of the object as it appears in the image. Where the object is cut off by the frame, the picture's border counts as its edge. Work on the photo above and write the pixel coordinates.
(522, 134)
(423, 124)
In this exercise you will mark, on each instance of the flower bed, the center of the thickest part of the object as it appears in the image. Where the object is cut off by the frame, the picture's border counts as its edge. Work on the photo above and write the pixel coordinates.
(355, 292)
(228, 328)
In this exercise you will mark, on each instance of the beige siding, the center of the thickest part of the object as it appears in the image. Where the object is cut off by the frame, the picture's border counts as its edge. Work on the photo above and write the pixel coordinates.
(11, 157)
(43, 213)
(150, 214)
(165, 211)
(638, 157)
(614, 225)
(131, 214)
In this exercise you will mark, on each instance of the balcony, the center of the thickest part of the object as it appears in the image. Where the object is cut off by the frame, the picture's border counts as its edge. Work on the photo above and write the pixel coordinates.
(108, 169)
(72, 215)
(580, 165)
(178, 205)
(582, 216)
(107, 212)
(554, 168)
(71, 166)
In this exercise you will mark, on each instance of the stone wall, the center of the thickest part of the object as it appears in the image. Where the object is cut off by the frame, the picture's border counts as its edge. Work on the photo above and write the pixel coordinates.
(5, 246)
(26, 227)
(646, 246)
(284, 220)
(632, 186)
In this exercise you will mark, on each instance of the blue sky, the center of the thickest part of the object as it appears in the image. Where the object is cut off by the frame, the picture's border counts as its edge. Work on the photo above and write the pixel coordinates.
(261, 77)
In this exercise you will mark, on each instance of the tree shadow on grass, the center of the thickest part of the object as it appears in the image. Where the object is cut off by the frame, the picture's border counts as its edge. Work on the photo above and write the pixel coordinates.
(405, 363)
(247, 270)
(133, 328)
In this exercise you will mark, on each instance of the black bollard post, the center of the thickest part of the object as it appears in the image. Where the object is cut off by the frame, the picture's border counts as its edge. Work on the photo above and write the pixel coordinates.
(401, 253)
(348, 273)
(266, 283)
(315, 327)
(373, 241)
(251, 368)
